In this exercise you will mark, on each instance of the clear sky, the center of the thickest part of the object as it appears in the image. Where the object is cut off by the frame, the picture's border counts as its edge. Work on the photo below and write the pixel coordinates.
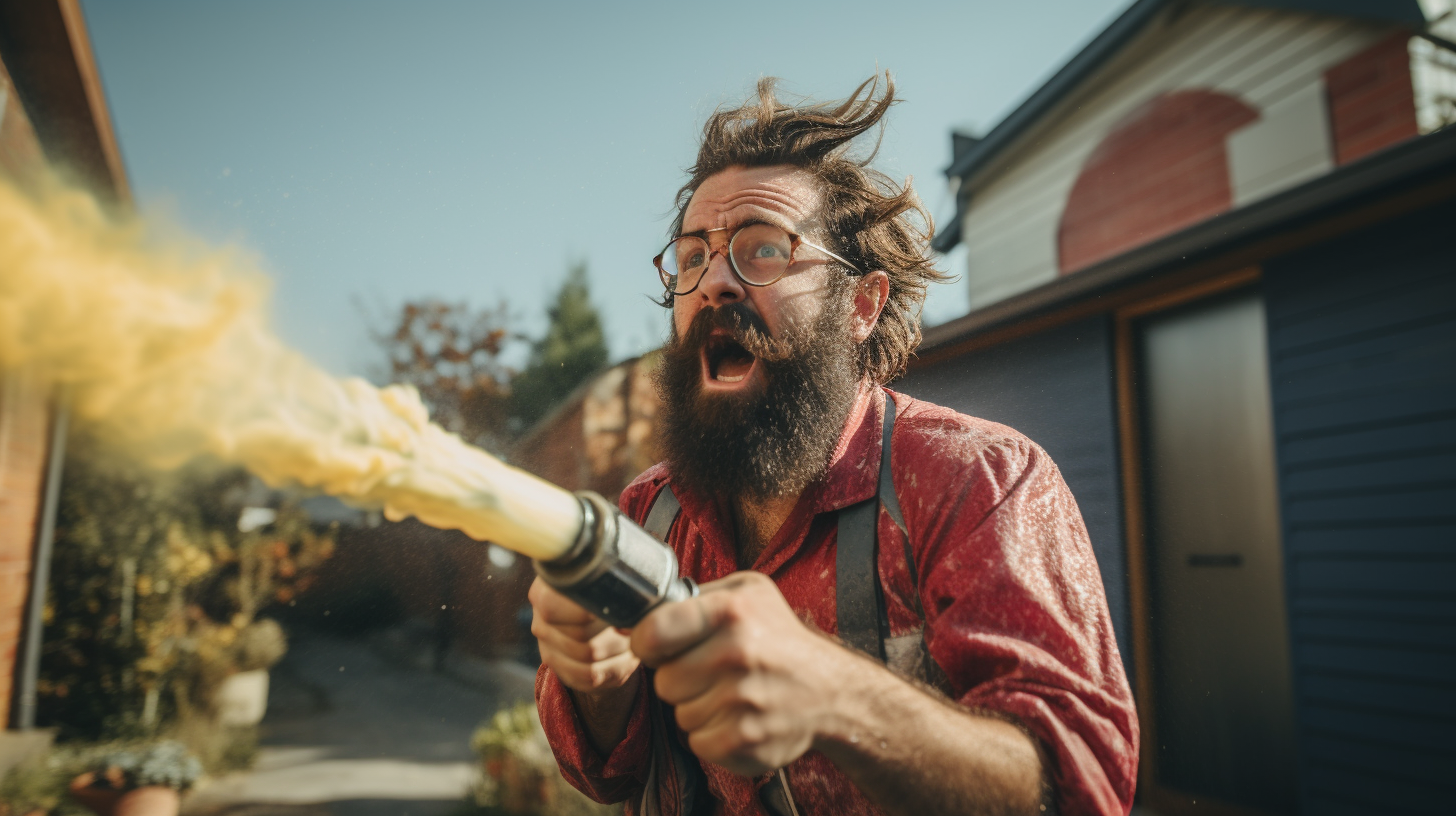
(377, 152)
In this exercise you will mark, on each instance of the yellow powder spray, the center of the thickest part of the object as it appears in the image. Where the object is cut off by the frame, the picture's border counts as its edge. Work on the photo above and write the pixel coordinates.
(164, 346)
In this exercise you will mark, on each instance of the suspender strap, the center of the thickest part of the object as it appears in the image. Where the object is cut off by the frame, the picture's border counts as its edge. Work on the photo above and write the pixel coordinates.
(663, 513)
(860, 606)
(856, 590)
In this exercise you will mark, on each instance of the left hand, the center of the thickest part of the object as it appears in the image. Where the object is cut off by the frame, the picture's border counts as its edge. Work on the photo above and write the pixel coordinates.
(753, 686)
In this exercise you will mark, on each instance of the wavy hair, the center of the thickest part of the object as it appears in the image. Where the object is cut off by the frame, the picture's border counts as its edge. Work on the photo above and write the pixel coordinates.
(869, 219)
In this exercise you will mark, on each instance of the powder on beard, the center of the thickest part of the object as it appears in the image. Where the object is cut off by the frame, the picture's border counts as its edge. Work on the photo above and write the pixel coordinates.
(772, 440)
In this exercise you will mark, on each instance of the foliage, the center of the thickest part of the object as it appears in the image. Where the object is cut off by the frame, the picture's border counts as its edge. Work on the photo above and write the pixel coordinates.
(452, 355)
(518, 772)
(165, 764)
(38, 785)
(155, 594)
(573, 349)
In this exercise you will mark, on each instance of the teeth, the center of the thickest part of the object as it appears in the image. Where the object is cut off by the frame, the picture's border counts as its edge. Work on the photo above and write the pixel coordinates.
(722, 378)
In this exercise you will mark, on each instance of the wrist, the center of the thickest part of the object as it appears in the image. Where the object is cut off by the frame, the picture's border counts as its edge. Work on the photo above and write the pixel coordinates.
(852, 685)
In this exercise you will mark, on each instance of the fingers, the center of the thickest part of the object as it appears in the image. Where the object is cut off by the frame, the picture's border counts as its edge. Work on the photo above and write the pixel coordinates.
(560, 611)
(673, 628)
(593, 677)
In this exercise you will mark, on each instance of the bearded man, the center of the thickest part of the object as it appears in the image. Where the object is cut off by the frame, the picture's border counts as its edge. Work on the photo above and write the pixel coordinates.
(900, 609)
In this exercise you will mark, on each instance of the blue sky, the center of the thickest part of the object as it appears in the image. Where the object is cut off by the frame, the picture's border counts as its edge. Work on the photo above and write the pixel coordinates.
(375, 152)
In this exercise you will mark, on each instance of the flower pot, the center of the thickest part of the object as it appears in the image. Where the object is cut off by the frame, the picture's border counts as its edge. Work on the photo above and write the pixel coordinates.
(242, 698)
(149, 801)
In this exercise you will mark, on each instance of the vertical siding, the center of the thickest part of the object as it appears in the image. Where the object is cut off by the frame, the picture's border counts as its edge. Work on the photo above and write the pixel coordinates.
(1057, 388)
(1362, 343)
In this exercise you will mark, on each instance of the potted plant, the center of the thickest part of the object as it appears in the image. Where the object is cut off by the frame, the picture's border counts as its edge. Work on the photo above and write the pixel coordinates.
(145, 781)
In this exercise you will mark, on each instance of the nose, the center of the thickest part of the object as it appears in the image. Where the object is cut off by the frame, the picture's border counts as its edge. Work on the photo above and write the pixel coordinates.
(719, 285)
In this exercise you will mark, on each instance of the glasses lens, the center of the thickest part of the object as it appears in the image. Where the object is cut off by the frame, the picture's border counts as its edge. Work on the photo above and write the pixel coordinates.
(761, 253)
(683, 263)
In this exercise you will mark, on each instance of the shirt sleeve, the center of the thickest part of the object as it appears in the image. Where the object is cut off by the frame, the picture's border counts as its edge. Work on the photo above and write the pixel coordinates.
(623, 773)
(618, 776)
(1017, 618)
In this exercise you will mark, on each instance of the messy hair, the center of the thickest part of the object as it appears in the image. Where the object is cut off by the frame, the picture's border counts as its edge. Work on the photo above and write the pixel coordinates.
(870, 220)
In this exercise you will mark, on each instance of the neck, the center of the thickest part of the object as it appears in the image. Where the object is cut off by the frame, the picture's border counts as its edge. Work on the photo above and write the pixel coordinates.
(755, 522)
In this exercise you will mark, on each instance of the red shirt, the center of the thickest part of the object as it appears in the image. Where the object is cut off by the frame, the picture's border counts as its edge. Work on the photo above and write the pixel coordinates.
(1015, 612)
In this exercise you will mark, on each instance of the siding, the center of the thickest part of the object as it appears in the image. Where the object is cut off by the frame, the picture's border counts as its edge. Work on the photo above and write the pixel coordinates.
(1362, 338)
(1268, 59)
(1057, 388)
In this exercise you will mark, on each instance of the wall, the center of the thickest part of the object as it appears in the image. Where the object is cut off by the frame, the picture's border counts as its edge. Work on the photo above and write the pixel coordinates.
(1057, 388)
(24, 432)
(1362, 339)
(1273, 61)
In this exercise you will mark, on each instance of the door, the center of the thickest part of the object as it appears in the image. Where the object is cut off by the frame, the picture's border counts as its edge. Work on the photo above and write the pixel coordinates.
(1219, 634)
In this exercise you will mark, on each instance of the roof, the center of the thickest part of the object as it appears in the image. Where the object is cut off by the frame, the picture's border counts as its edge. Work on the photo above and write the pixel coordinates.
(47, 51)
(1111, 41)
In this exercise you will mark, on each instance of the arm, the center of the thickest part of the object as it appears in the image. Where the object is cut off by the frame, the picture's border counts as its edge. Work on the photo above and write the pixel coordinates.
(591, 698)
(755, 689)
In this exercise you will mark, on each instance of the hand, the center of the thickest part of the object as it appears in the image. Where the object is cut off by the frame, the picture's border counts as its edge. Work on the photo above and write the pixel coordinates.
(752, 685)
(585, 653)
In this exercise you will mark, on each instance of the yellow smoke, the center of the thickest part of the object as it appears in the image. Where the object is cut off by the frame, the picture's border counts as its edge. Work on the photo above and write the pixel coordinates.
(164, 345)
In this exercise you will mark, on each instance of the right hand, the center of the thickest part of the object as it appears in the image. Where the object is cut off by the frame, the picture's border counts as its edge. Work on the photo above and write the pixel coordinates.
(586, 653)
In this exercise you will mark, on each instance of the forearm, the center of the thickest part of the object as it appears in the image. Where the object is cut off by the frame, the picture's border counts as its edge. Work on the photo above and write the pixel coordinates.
(605, 714)
(914, 754)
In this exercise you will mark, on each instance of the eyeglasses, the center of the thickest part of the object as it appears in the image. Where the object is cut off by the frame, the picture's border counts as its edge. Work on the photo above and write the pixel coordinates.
(759, 254)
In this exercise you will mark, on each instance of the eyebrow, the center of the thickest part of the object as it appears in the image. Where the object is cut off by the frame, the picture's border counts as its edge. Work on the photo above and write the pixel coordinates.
(747, 222)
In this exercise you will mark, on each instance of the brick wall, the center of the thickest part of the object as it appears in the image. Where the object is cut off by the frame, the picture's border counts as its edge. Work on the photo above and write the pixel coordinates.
(24, 426)
(1372, 103)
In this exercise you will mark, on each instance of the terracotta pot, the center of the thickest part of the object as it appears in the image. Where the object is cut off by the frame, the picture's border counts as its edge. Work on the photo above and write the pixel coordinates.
(153, 800)
(149, 801)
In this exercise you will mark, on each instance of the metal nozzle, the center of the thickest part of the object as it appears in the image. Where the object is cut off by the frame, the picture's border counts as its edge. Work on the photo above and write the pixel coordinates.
(616, 570)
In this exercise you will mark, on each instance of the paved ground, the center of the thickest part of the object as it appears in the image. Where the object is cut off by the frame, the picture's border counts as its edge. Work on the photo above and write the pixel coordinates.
(349, 733)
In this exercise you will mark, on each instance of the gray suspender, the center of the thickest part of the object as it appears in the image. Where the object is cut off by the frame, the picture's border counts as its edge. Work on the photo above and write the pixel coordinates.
(858, 598)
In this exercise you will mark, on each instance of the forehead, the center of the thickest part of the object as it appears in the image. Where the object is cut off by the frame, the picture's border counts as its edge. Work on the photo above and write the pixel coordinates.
(781, 194)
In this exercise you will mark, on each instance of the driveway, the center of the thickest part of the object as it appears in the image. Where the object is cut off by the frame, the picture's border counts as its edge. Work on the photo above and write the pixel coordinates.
(349, 733)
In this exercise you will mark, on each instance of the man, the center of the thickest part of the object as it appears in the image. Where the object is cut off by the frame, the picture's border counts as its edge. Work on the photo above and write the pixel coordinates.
(795, 277)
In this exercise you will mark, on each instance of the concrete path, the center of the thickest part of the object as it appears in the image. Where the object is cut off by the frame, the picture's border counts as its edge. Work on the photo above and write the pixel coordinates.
(350, 734)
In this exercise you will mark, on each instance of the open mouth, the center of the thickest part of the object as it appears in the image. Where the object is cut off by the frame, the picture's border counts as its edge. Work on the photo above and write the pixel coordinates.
(725, 361)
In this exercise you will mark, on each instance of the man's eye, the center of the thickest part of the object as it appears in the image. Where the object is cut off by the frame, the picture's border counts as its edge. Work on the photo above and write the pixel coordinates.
(767, 251)
(694, 262)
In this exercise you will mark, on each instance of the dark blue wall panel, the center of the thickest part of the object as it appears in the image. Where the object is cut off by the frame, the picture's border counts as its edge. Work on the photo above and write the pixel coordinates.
(1057, 388)
(1362, 346)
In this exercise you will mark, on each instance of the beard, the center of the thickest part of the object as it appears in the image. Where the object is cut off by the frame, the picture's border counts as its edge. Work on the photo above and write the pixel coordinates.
(772, 438)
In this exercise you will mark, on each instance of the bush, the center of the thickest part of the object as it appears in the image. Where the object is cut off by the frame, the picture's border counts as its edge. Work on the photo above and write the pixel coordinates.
(519, 775)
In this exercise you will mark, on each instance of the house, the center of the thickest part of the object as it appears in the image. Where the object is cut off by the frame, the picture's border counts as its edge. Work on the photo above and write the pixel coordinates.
(1212, 267)
(52, 114)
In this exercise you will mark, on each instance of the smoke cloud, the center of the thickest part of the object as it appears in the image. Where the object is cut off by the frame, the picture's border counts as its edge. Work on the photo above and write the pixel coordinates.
(163, 345)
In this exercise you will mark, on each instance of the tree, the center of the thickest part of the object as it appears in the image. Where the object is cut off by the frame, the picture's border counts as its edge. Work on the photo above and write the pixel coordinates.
(452, 354)
(572, 350)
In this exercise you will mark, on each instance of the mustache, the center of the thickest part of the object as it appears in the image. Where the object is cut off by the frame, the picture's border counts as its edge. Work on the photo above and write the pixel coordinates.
(746, 328)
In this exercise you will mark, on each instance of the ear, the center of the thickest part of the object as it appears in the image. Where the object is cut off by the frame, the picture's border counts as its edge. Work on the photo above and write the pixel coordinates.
(870, 295)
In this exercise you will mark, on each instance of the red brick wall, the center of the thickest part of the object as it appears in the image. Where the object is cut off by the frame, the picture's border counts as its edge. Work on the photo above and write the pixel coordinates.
(24, 432)
(1164, 167)
(1371, 100)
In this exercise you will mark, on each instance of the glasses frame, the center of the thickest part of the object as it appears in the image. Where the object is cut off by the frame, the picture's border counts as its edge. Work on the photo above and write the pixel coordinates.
(795, 241)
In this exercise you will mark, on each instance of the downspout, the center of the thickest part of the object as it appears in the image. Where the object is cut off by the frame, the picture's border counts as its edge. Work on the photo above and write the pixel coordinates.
(40, 572)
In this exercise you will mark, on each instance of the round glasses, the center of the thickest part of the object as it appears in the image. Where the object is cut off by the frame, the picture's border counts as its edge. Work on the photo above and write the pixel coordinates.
(759, 254)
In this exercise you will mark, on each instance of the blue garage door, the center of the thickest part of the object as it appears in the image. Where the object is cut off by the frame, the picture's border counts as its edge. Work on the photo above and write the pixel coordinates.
(1362, 345)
